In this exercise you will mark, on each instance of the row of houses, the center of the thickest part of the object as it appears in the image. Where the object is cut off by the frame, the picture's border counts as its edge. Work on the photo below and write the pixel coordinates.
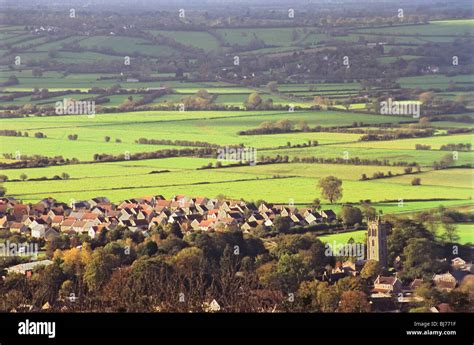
(389, 293)
(48, 218)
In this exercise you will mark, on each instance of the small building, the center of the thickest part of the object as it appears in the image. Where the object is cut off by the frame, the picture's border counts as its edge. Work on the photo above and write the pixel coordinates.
(457, 262)
(38, 231)
(328, 215)
(387, 285)
(444, 282)
(211, 307)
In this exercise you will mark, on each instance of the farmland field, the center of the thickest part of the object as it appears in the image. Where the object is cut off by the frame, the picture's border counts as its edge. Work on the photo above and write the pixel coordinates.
(91, 65)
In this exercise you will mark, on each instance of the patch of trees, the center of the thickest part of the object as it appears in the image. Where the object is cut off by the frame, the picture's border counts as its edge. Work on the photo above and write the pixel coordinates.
(422, 147)
(254, 102)
(456, 147)
(350, 161)
(433, 105)
(200, 269)
(40, 135)
(130, 103)
(45, 94)
(24, 177)
(268, 160)
(445, 162)
(201, 100)
(380, 174)
(198, 152)
(72, 136)
(158, 171)
(13, 133)
(417, 245)
(322, 160)
(36, 161)
(351, 215)
(268, 127)
(310, 143)
(175, 142)
(331, 188)
(398, 134)
(12, 80)
(460, 130)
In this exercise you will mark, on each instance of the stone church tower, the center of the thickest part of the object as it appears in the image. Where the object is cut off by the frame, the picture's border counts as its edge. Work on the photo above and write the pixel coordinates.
(377, 240)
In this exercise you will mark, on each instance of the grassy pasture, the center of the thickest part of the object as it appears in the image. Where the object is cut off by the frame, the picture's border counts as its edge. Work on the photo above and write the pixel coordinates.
(55, 81)
(271, 36)
(93, 133)
(319, 87)
(121, 180)
(216, 90)
(345, 172)
(357, 236)
(424, 158)
(410, 206)
(458, 178)
(441, 27)
(390, 59)
(112, 169)
(465, 233)
(197, 39)
(212, 183)
(409, 144)
(215, 127)
(27, 99)
(82, 149)
(18, 36)
(275, 50)
(33, 40)
(57, 44)
(127, 45)
(436, 81)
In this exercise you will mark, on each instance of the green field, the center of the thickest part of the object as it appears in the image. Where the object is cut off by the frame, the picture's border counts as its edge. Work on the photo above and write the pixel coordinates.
(278, 183)
(215, 127)
(436, 81)
(441, 27)
(464, 231)
(273, 36)
(357, 236)
(423, 157)
(127, 45)
(197, 39)
(202, 53)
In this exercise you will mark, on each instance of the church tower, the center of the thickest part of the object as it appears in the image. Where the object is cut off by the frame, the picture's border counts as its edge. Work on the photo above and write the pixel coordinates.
(377, 240)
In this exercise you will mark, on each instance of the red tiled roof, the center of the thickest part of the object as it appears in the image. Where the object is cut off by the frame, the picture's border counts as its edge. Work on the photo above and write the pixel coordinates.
(207, 222)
